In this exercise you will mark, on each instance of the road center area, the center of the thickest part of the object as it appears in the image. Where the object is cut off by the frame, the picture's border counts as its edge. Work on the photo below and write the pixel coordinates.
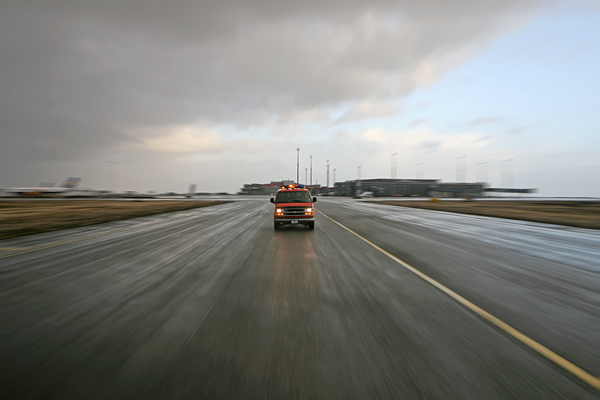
(323, 314)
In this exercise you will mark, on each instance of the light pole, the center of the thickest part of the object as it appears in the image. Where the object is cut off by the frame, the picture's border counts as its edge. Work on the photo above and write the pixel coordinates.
(297, 165)
(306, 176)
(394, 171)
(115, 175)
(422, 170)
(327, 173)
(482, 176)
(506, 173)
(358, 185)
(310, 172)
(457, 169)
(334, 177)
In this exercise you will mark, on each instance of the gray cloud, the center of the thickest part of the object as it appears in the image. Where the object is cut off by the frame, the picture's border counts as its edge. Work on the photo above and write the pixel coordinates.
(83, 78)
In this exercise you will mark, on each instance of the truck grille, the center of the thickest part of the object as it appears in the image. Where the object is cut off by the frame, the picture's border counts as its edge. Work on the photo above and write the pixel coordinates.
(293, 211)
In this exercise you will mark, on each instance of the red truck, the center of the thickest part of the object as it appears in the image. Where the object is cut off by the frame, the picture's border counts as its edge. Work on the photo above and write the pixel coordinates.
(293, 206)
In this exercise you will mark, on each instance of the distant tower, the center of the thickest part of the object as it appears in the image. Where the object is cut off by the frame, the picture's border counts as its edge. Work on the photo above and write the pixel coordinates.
(311, 172)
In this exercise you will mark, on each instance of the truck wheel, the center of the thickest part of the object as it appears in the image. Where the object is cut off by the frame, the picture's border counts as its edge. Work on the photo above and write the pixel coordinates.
(311, 226)
(276, 226)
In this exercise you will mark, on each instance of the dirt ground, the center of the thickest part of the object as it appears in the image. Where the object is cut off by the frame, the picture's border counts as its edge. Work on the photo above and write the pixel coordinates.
(18, 218)
(581, 214)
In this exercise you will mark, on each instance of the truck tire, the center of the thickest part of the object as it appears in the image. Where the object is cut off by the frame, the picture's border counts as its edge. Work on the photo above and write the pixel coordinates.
(276, 226)
(311, 226)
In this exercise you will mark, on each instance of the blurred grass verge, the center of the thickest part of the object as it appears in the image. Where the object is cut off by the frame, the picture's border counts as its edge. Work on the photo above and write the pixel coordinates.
(580, 214)
(19, 218)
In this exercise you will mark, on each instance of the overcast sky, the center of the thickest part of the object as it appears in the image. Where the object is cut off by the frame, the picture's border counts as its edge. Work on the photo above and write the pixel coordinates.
(155, 95)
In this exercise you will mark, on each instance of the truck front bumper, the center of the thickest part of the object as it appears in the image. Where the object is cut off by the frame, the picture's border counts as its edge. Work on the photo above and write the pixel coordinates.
(294, 220)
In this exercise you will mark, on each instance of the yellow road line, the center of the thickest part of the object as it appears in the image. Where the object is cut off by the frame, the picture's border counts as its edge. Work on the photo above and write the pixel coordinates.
(31, 249)
(569, 366)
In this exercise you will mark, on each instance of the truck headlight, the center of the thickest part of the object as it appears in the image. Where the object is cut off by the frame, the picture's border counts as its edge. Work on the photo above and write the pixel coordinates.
(309, 210)
(278, 210)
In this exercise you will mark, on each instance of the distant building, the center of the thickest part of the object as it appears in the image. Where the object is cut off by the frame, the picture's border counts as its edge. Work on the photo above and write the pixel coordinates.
(385, 187)
(264, 188)
(408, 188)
(382, 187)
(457, 189)
(510, 190)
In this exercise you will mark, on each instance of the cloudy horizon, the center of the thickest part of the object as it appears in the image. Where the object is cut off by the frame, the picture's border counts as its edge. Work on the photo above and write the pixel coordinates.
(154, 96)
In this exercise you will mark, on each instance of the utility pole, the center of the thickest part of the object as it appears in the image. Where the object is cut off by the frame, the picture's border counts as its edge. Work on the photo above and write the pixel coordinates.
(506, 173)
(327, 173)
(482, 176)
(114, 175)
(306, 176)
(358, 185)
(311, 172)
(458, 169)
(298, 165)
(422, 170)
(394, 173)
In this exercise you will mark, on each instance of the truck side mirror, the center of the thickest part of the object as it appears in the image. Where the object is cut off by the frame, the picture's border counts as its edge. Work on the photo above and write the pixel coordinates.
(272, 200)
(314, 199)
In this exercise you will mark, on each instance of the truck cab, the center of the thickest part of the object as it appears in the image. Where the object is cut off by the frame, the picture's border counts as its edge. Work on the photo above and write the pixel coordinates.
(293, 206)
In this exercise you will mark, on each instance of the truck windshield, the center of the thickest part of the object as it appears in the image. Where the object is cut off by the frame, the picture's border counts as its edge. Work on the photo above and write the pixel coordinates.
(300, 196)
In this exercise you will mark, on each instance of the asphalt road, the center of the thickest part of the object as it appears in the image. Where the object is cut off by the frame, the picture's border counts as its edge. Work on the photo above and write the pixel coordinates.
(213, 303)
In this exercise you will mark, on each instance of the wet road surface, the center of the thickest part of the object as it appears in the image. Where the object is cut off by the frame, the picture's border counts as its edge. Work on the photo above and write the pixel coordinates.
(213, 303)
